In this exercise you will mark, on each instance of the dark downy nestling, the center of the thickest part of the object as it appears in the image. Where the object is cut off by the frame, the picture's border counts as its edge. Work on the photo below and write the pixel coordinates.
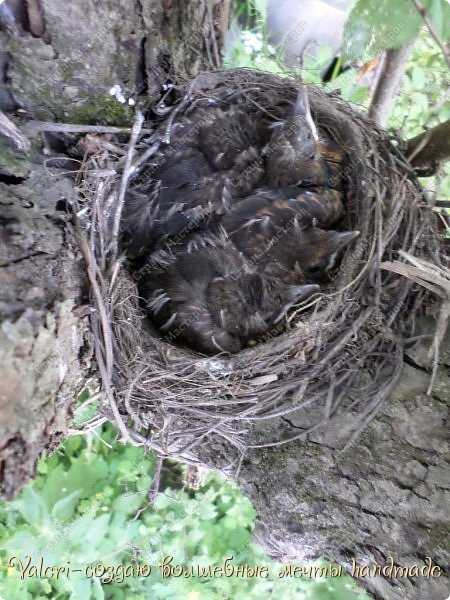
(208, 295)
(213, 159)
(217, 157)
(283, 233)
(297, 154)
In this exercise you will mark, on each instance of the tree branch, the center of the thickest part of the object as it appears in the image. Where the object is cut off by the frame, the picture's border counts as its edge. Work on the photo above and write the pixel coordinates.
(426, 150)
(423, 13)
(387, 81)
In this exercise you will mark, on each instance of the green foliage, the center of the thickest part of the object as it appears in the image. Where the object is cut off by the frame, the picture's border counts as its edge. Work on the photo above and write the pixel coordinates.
(423, 99)
(423, 102)
(90, 505)
(376, 26)
(250, 49)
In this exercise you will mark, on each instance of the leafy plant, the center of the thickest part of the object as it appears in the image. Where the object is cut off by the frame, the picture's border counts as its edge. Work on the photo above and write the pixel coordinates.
(90, 506)
(376, 26)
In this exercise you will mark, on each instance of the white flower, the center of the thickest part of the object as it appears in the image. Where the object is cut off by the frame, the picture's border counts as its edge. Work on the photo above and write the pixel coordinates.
(252, 41)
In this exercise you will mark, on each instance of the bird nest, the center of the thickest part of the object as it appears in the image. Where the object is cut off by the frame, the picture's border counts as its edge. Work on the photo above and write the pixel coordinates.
(342, 352)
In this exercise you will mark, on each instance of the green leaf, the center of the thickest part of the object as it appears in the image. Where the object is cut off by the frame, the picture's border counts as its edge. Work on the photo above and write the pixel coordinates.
(32, 507)
(42, 467)
(435, 14)
(97, 590)
(65, 508)
(74, 443)
(84, 395)
(376, 26)
(446, 21)
(359, 95)
(418, 77)
(22, 542)
(261, 8)
(81, 588)
(143, 483)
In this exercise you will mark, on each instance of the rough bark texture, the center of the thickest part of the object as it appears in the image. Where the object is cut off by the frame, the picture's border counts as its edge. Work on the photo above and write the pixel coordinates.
(64, 72)
(387, 495)
(429, 148)
(40, 336)
(52, 70)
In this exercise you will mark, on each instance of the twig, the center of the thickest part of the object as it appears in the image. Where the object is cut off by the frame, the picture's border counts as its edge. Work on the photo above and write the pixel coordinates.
(127, 172)
(420, 146)
(435, 280)
(105, 366)
(36, 126)
(423, 13)
(154, 488)
(213, 34)
(441, 328)
(8, 128)
(427, 149)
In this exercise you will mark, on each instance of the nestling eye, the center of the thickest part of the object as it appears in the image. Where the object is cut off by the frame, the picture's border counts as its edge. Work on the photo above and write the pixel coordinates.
(314, 269)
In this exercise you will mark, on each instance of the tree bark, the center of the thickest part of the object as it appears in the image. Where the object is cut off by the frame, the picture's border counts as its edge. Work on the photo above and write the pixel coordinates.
(428, 149)
(388, 78)
(388, 495)
(55, 71)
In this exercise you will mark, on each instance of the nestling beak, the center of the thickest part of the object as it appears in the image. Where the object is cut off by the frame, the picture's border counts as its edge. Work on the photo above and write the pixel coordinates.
(302, 109)
(296, 293)
(345, 237)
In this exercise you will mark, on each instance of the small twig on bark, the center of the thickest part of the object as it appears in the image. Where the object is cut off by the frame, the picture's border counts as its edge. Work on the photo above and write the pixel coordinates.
(154, 489)
(212, 34)
(127, 172)
(36, 126)
(8, 129)
(436, 280)
(105, 361)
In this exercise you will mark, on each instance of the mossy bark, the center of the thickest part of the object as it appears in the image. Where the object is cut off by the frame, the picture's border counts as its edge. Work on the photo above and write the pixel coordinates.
(58, 62)
(387, 495)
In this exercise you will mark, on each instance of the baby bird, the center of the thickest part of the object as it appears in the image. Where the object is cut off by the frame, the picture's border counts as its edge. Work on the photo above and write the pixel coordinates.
(217, 157)
(309, 255)
(297, 155)
(273, 209)
(213, 159)
(208, 297)
(279, 235)
(229, 222)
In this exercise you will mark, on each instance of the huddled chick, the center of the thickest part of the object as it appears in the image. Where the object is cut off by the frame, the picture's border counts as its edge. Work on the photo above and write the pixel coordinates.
(208, 294)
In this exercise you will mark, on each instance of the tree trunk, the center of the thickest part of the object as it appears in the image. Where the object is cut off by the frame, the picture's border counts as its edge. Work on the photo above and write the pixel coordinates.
(428, 149)
(388, 77)
(387, 495)
(54, 71)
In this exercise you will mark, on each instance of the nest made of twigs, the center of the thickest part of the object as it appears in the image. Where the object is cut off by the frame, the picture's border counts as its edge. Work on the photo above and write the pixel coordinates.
(343, 352)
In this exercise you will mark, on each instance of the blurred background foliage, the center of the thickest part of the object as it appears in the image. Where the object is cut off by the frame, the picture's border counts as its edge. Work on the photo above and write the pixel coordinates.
(91, 501)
